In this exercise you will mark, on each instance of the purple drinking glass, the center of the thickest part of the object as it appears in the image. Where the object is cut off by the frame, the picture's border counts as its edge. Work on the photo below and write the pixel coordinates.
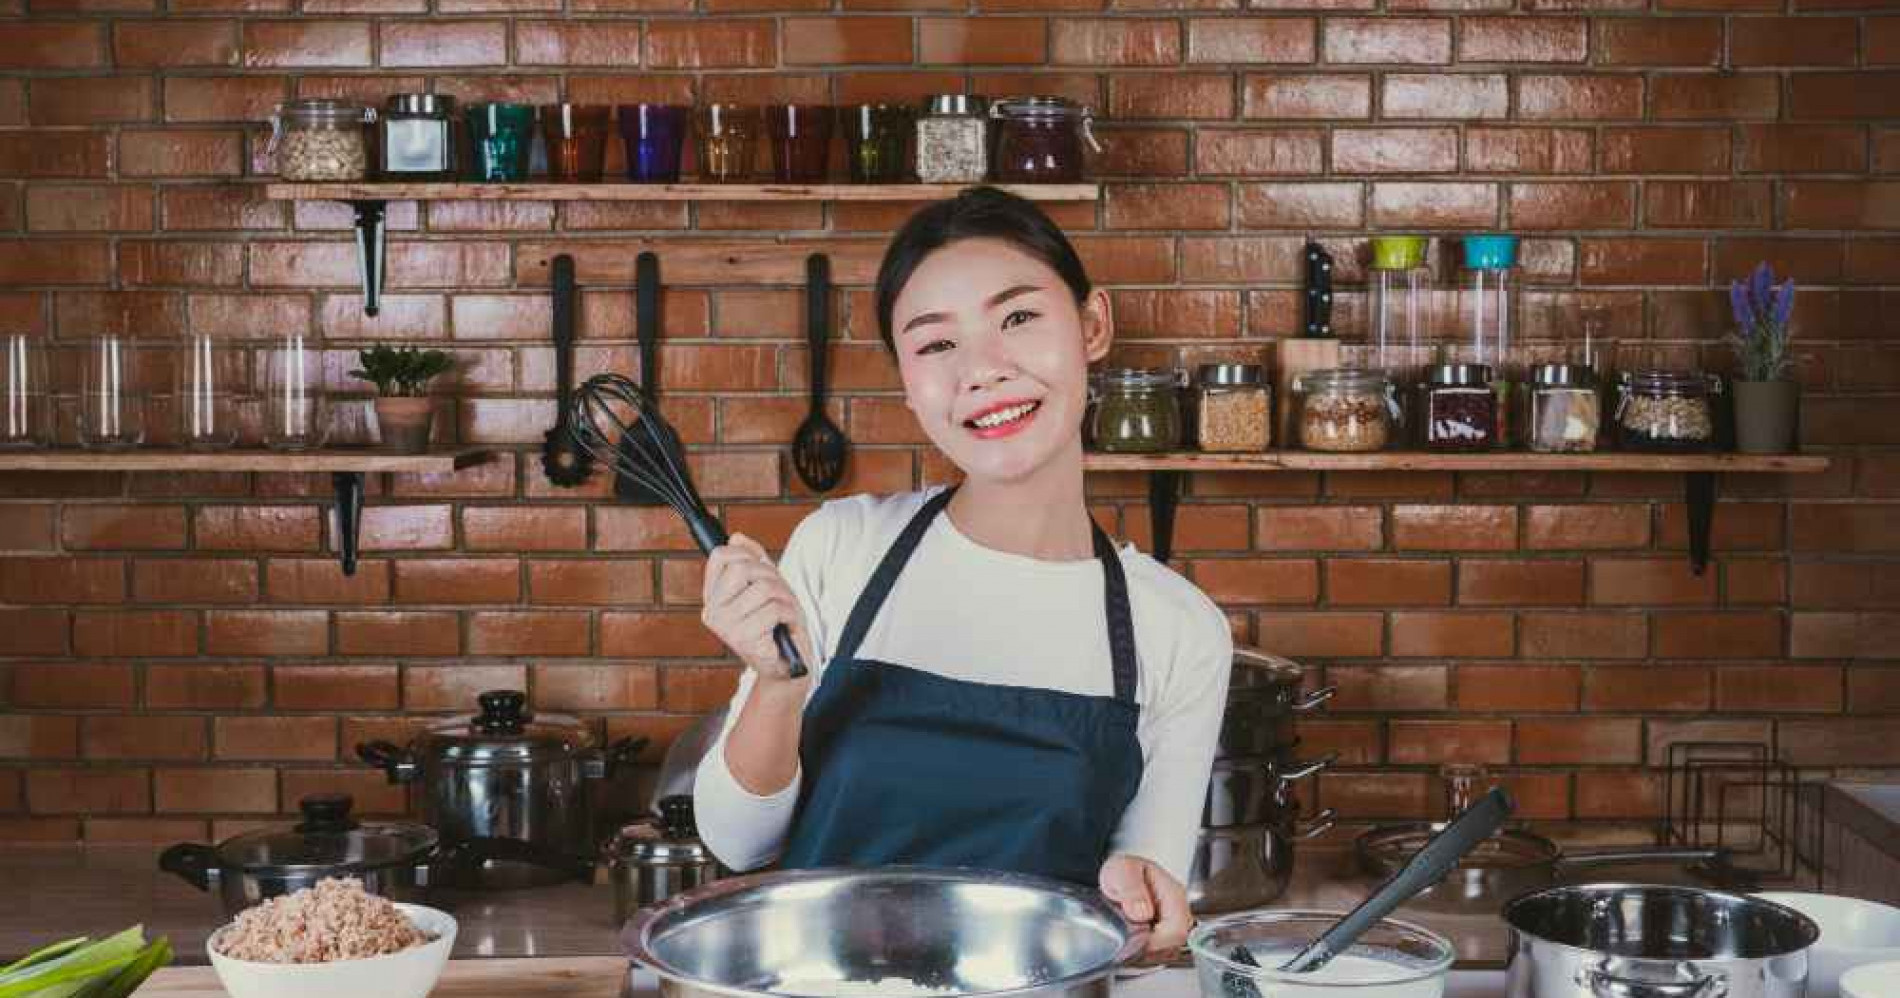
(655, 135)
(801, 142)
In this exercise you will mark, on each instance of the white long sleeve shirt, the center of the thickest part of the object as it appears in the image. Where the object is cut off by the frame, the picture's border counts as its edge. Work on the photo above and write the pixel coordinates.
(973, 613)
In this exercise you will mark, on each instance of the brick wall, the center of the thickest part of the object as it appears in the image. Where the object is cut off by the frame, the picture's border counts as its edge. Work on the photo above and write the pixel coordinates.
(181, 656)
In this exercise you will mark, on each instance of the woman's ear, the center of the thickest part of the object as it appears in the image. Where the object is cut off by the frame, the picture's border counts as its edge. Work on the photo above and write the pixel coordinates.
(1098, 325)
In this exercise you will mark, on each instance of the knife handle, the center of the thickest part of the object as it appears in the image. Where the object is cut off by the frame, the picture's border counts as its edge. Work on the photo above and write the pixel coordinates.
(1319, 292)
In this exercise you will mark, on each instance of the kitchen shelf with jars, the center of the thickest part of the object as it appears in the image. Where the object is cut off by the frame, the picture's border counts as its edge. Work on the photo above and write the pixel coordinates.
(1410, 398)
(422, 147)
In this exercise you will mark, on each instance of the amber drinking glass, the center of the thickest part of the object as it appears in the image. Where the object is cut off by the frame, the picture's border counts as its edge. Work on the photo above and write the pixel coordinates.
(801, 142)
(727, 134)
(576, 137)
(876, 143)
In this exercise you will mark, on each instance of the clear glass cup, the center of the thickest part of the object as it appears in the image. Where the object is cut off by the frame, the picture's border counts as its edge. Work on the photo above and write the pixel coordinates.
(295, 414)
(26, 398)
(210, 385)
(111, 402)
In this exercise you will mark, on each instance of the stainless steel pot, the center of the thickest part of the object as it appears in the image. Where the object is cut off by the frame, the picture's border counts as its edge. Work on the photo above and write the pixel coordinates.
(506, 774)
(393, 859)
(838, 931)
(656, 859)
(1246, 866)
(1250, 791)
(1627, 941)
(1263, 700)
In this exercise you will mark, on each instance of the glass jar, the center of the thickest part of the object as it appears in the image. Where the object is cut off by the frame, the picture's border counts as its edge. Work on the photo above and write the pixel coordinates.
(111, 395)
(953, 140)
(210, 383)
(1458, 409)
(1137, 411)
(1487, 306)
(1400, 289)
(296, 415)
(26, 398)
(1566, 413)
(1232, 408)
(418, 138)
(1344, 410)
(1039, 140)
(320, 141)
(877, 137)
(1666, 411)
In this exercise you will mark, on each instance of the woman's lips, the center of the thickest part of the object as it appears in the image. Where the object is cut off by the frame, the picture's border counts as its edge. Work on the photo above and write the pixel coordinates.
(1008, 427)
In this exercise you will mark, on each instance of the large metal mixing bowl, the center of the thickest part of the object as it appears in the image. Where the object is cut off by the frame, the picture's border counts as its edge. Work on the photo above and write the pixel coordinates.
(892, 932)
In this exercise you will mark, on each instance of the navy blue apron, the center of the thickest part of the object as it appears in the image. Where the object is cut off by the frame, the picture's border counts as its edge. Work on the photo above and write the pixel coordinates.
(907, 766)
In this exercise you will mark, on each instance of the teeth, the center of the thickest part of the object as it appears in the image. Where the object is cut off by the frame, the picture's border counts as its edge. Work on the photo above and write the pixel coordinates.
(1001, 416)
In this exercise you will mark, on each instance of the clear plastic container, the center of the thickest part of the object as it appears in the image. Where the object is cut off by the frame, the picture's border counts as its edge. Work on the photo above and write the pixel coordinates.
(1239, 956)
(1487, 306)
(1345, 410)
(1137, 411)
(1401, 292)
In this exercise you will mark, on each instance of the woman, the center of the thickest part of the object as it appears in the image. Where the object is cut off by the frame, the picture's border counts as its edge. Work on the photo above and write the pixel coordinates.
(1000, 687)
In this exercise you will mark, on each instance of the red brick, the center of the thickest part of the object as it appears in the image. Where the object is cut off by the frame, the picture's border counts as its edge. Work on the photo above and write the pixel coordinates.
(1519, 583)
(39, 736)
(1591, 741)
(810, 41)
(525, 528)
(1619, 794)
(1527, 150)
(54, 262)
(1259, 580)
(218, 791)
(1646, 688)
(247, 99)
(320, 580)
(51, 208)
(204, 687)
(1389, 687)
(697, 689)
(330, 687)
(88, 791)
(406, 528)
(194, 580)
(175, 264)
(1451, 635)
(122, 528)
(1434, 205)
(976, 41)
(306, 43)
(1300, 206)
(1873, 690)
(1257, 152)
(260, 738)
(28, 155)
(1387, 40)
(27, 528)
(596, 688)
(657, 635)
(1522, 39)
(446, 43)
(1395, 150)
(55, 45)
(1118, 42)
(1518, 687)
(166, 44)
(1837, 742)
(1454, 528)
(1573, 206)
(1580, 97)
(1592, 526)
(1583, 635)
(393, 634)
(1842, 95)
(1672, 149)
(1167, 206)
(1726, 97)
(1719, 635)
(1706, 204)
(1648, 582)
(135, 634)
(1806, 42)
(370, 792)
(1779, 688)
(1323, 96)
(1375, 794)
(1446, 95)
(493, 632)
(456, 687)
(267, 632)
(90, 100)
(1323, 635)
(590, 581)
(1232, 40)
(122, 737)
(217, 207)
(1659, 41)
(553, 43)
(1643, 261)
(256, 528)
(1432, 742)
(72, 684)
(1387, 582)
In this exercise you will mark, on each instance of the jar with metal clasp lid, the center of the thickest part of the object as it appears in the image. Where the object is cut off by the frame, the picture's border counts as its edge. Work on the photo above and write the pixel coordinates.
(1666, 411)
(1345, 410)
(319, 141)
(1039, 140)
(1137, 411)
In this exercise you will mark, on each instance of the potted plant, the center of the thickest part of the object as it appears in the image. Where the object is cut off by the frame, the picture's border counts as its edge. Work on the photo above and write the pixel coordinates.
(1766, 398)
(403, 414)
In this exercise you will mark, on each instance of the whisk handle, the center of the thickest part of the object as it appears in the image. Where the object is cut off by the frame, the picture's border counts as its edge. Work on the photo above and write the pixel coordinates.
(710, 533)
(787, 650)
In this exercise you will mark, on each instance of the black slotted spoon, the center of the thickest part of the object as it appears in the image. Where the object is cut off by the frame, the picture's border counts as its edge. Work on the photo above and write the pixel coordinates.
(819, 448)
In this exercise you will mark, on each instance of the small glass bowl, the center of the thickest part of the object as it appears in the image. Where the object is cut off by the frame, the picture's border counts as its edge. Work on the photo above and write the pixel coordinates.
(1393, 959)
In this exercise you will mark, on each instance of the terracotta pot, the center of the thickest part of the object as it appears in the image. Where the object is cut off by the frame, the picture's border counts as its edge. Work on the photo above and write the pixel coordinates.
(1766, 414)
(403, 424)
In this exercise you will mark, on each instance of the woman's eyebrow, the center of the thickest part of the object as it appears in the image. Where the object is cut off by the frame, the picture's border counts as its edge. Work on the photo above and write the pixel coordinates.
(925, 318)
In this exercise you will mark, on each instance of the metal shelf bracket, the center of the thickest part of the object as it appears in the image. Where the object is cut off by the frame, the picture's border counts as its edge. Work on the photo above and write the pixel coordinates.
(371, 251)
(349, 516)
(1699, 494)
(1164, 496)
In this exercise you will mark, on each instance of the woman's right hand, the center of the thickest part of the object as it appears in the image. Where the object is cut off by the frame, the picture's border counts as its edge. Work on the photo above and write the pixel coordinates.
(744, 599)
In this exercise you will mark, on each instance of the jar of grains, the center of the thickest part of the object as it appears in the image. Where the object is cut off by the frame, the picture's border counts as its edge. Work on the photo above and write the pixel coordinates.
(953, 140)
(1565, 411)
(1344, 410)
(1137, 411)
(1666, 411)
(1232, 410)
(1039, 140)
(1458, 409)
(321, 140)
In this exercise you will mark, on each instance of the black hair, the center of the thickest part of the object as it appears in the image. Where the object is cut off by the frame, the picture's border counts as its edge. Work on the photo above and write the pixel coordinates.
(976, 213)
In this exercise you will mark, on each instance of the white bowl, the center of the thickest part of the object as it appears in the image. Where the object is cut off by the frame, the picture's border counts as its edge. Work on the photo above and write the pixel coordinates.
(411, 973)
(1871, 980)
(1853, 932)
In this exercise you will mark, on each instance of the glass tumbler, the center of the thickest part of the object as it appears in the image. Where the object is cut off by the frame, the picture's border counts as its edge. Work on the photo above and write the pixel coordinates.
(655, 135)
(501, 137)
(727, 134)
(801, 142)
(210, 382)
(26, 400)
(876, 140)
(294, 411)
(576, 138)
(111, 405)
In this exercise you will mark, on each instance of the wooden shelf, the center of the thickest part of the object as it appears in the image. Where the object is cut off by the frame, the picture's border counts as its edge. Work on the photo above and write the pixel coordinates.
(398, 191)
(1794, 464)
(334, 460)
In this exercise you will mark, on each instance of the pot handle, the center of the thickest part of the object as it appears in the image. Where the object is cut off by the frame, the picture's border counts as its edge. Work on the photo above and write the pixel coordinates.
(1317, 825)
(396, 762)
(610, 759)
(1301, 771)
(1604, 984)
(470, 853)
(1311, 700)
(191, 862)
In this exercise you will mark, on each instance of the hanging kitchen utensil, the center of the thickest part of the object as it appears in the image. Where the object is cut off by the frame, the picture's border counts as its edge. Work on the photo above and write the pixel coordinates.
(820, 447)
(1314, 349)
(562, 460)
(619, 424)
(1440, 855)
(646, 320)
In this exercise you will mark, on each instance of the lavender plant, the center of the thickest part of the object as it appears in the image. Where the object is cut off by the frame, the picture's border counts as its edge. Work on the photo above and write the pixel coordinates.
(1762, 309)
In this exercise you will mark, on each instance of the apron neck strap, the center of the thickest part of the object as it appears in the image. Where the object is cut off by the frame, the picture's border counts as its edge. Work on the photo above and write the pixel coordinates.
(1121, 627)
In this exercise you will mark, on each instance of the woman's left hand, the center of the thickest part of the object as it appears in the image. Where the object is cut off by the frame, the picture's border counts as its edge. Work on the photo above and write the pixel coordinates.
(1149, 895)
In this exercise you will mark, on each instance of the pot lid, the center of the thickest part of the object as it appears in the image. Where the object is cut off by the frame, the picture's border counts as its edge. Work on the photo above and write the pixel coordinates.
(504, 731)
(671, 841)
(328, 837)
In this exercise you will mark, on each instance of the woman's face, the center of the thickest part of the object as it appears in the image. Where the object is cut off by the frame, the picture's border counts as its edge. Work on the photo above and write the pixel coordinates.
(994, 353)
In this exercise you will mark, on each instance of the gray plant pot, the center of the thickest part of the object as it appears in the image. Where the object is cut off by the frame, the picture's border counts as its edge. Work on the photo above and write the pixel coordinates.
(1766, 416)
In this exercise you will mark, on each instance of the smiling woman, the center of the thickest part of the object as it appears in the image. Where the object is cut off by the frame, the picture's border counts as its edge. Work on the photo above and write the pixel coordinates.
(995, 684)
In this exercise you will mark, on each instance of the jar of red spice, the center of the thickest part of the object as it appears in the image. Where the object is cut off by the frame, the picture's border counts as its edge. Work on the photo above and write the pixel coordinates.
(1458, 408)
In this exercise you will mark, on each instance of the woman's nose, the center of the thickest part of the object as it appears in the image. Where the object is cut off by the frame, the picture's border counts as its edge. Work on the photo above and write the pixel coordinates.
(986, 361)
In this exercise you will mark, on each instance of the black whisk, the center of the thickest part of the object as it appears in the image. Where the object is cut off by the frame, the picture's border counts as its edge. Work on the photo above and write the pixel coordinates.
(620, 426)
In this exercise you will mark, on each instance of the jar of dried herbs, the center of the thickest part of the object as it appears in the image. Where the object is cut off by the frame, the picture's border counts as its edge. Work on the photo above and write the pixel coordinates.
(1666, 411)
(321, 140)
(1137, 411)
(1345, 410)
(952, 144)
(1232, 408)
(1566, 412)
(1460, 411)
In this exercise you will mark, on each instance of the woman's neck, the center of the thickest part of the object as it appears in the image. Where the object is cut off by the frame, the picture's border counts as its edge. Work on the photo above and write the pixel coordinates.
(1043, 515)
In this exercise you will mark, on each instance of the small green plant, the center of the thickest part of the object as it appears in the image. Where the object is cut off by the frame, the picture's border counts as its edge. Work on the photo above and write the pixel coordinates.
(1762, 309)
(401, 371)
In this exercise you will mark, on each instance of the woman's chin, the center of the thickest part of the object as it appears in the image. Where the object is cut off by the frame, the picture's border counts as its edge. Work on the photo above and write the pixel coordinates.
(1004, 462)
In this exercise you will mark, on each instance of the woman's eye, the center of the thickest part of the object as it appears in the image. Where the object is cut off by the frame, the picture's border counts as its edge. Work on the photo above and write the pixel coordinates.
(1019, 317)
(934, 346)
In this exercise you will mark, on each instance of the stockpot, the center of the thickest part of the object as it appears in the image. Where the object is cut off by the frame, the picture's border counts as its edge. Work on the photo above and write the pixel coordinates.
(1247, 791)
(654, 859)
(1247, 866)
(1263, 697)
